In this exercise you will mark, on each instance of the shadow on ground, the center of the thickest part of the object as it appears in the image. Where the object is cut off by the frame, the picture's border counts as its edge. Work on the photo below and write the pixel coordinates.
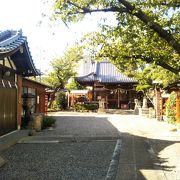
(140, 157)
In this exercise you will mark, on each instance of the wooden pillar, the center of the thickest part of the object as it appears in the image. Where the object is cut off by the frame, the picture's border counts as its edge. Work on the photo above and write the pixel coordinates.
(68, 99)
(130, 99)
(118, 99)
(94, 93)
(157, 104)
(106, 100)
(19, 100)
(90, 95)
(178, 107)
(72, 99)
(93, 96)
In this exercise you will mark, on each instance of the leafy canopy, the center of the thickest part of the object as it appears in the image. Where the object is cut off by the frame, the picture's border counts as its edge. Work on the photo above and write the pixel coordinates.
(147, 31)
(64, 68)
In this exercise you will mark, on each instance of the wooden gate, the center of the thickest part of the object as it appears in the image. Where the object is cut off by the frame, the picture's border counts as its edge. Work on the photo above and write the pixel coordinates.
(8, 109)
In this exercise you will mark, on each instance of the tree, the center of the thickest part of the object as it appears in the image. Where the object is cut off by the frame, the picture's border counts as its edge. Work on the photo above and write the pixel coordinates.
(147, 32)
(74, 85)
(149, 74)
(64, 68)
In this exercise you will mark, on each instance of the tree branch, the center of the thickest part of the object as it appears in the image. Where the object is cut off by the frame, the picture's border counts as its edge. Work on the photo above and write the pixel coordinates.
(153, 25)
(173, 4)
(148, 60)
(164, 34)
(170, 4)
(86, 10)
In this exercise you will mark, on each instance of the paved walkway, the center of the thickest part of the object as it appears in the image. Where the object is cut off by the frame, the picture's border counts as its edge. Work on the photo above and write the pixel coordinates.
(151, 150)
(148, 149)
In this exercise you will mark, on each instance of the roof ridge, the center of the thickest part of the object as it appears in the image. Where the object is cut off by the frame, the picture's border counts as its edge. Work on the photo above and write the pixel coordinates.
(105, 72)
(15, 36)
(14, 40)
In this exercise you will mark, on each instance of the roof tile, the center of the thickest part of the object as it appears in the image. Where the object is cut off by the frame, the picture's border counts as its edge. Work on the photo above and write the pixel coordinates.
(11, 40)
(104, 72)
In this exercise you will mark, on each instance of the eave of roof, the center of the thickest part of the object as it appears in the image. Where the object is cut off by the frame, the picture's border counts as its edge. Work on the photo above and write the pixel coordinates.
(11, 42)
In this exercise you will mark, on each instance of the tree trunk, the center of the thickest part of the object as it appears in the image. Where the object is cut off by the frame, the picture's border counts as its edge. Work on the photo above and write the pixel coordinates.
(52, 95)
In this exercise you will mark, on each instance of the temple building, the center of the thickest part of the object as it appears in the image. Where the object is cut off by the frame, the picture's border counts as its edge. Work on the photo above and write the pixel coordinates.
(107, 83)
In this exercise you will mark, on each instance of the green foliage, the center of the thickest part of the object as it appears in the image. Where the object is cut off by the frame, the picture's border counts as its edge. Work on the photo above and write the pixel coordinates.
(74, 85)
(152, 73)
(171, 108)
(54, 106)
(79, 107)
(132, 42)
(64, 68)
(91, 107)
(85, 107)
(62, 100)
(48, 121)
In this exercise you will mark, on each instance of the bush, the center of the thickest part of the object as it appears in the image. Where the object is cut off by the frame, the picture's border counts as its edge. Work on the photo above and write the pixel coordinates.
(79, 107)
(54, 106)
(48, 121)
(85, 107)
(91, 107)
(171, 108)
(62, 101)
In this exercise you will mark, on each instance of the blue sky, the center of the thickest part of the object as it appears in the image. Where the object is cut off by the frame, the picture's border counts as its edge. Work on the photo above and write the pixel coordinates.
(48, 40)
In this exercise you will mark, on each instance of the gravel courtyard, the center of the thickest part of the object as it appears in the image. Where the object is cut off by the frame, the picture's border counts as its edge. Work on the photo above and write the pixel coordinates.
(84, 147)
(88, 160)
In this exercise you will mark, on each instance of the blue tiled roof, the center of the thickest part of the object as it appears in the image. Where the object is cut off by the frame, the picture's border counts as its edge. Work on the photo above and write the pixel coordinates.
(10, 42)
(103, 72)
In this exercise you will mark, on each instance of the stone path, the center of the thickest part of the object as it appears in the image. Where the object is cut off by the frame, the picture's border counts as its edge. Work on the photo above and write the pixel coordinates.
(150, 150)
(82, 146)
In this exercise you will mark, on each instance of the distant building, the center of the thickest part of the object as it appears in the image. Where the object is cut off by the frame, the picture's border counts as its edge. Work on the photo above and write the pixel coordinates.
(107, 83)
(78, 96)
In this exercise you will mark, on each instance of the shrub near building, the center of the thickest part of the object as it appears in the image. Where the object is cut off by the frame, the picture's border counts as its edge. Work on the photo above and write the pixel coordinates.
(85, 107)
(171, 108)
(48, 121)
